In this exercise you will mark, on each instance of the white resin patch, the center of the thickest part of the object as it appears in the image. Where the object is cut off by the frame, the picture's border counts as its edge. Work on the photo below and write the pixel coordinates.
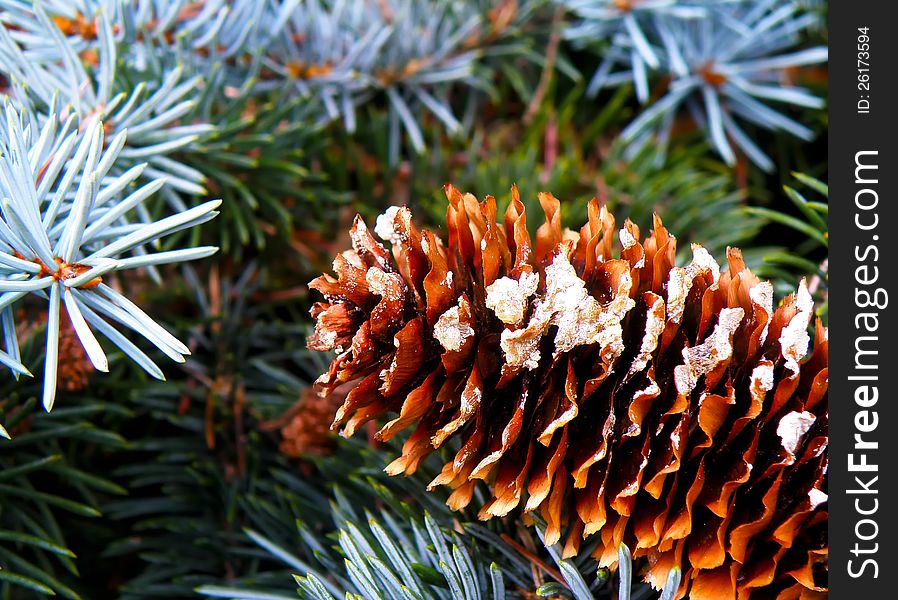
(794, 339)
(328, 338)
(385, 227)
(653, 328)
(718, 347)
(792, 428)
(450, 331)
(508, 297)
(817, 497)
(680, 281)
(762, 379)
(379, 283)
(579, 317)
(762, 295)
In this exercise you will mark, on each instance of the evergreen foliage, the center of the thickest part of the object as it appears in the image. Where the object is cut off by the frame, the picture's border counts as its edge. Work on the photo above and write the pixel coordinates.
(127, 125)
(723, 60)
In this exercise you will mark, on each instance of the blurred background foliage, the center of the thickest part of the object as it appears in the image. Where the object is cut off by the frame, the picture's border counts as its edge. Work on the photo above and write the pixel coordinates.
(133, 488)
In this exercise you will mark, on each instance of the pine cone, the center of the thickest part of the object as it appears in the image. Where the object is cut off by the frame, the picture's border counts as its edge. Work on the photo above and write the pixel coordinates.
(73, 366)
(668, 408)
(305, 428)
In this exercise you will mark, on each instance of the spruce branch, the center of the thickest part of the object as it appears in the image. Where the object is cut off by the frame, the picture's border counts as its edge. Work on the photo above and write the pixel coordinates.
(63, 230)
(722, 62)
(155, 107)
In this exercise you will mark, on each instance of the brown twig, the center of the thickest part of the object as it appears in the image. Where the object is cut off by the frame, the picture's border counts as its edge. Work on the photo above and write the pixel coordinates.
(215, 296)
(816, 280)
(545, 78)
(534, 559)
(239, 433)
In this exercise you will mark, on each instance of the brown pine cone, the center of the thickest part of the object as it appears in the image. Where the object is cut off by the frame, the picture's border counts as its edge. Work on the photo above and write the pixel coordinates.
(305, 428)
(668, 408)
(73, 367)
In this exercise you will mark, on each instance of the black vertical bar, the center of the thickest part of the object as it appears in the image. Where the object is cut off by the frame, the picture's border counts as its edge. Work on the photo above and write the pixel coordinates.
(863, 178)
